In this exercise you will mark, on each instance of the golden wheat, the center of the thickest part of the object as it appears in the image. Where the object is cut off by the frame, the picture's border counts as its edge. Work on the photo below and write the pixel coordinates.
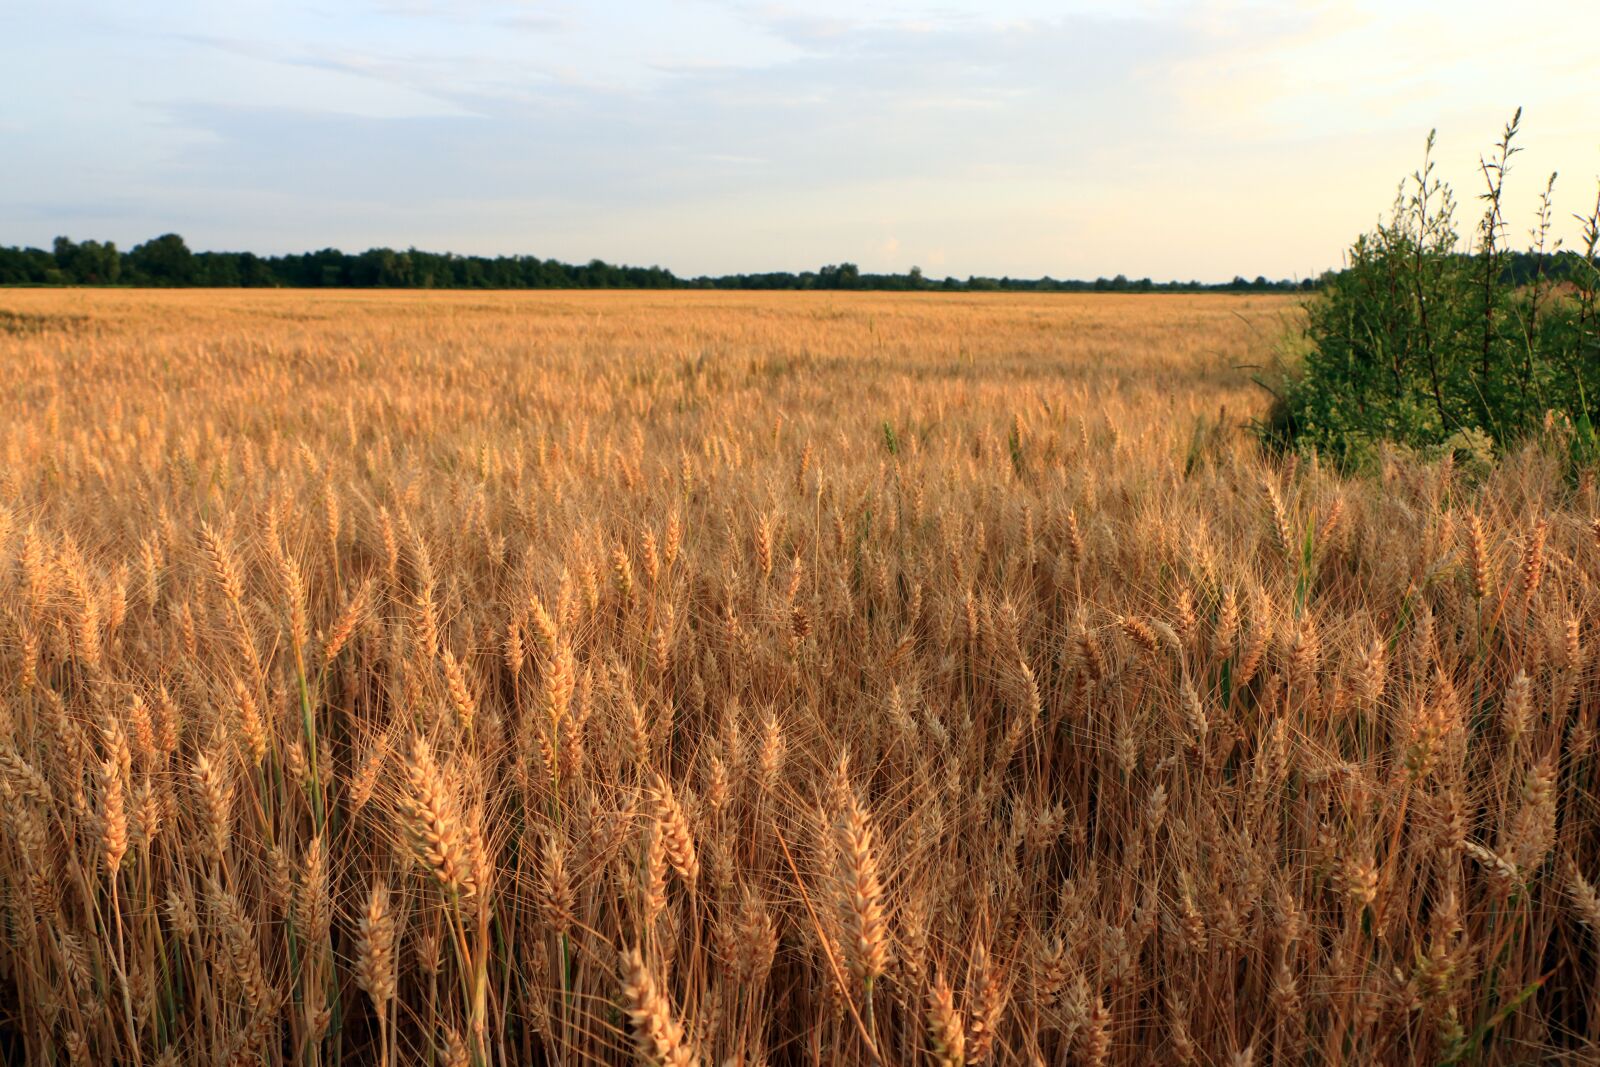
(769, 679)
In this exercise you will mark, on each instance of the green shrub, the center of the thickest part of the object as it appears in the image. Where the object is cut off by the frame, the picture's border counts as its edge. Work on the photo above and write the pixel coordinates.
(1426, 340)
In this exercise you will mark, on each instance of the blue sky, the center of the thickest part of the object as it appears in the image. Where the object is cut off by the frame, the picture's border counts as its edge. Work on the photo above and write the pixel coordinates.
(1077, 138)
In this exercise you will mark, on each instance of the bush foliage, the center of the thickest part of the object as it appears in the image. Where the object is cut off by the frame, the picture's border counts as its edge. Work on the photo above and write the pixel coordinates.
(1431, 340)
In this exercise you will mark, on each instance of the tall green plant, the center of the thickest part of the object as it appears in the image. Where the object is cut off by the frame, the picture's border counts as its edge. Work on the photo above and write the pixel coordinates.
(1425, 341)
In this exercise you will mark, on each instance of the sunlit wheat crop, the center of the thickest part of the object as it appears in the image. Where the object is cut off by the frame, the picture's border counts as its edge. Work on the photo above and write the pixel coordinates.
(711, 679)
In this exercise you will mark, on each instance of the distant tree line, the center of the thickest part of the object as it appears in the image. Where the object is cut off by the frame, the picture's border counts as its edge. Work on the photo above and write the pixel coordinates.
(168, 261)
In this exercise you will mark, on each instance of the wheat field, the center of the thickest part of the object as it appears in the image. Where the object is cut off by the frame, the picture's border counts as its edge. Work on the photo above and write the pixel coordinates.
(719, 678)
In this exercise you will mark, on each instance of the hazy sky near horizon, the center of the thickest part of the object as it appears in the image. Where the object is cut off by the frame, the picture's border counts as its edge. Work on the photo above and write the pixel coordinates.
(1168, 138)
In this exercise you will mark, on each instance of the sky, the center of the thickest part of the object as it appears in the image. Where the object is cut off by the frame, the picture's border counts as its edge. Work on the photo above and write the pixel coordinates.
(1076, 138)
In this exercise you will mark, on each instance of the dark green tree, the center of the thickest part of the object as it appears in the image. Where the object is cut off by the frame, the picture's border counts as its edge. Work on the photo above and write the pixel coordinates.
(165, 260)
(89, 263)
